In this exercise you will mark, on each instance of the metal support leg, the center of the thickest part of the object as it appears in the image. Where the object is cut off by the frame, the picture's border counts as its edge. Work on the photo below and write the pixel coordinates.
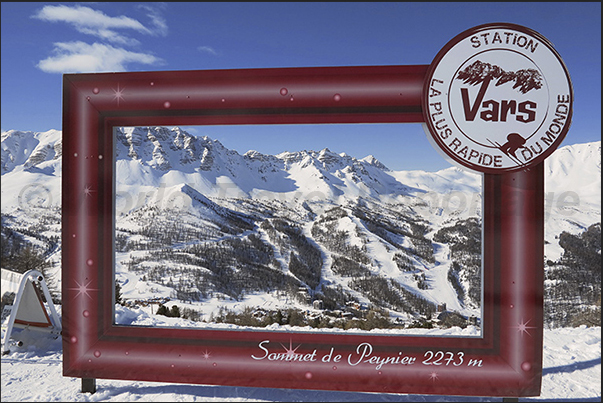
(88, 385)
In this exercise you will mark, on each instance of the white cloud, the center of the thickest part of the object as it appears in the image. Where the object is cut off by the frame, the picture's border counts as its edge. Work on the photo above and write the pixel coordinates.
(94, 22)
(207, 49)
(80, 57)
(156, 18)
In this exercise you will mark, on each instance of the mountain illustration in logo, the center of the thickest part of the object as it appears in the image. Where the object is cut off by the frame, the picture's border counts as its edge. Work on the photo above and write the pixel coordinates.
(478, 72)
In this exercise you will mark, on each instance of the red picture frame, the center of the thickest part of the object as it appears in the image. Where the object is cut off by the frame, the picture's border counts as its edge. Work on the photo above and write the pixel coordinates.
(505, 361)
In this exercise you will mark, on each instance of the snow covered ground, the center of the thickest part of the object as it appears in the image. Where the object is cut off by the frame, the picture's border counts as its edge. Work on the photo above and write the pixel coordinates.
(572, 373)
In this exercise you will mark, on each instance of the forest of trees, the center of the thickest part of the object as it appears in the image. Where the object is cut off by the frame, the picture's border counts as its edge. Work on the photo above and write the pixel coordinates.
(573, 283)
(464, 240)
(20, 255)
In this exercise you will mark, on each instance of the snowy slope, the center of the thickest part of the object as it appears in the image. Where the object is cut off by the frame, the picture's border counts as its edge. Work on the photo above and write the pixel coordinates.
(28, 149)
(215, 191)
(571, 373)
(572, 192)
(31, 168)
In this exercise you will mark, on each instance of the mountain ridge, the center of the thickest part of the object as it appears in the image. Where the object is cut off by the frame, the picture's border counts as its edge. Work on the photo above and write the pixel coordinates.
(163, 150)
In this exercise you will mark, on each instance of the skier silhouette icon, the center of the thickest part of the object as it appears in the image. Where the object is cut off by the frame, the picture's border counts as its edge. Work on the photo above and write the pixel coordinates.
(514, 141)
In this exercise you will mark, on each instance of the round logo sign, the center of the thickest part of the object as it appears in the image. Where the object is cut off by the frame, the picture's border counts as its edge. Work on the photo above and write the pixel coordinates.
(497, 98)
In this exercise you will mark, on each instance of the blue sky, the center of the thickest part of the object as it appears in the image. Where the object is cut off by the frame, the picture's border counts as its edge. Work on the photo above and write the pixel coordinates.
(41, 41)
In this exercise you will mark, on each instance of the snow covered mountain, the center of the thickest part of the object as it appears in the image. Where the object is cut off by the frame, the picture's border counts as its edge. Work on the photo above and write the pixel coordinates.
(149, 156)
(200, 224)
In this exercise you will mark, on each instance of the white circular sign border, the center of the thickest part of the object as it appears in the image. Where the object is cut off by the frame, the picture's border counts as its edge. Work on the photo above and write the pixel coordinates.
(441, 127)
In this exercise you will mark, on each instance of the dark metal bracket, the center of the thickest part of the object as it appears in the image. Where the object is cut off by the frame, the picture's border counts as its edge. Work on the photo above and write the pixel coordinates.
(88, 385)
